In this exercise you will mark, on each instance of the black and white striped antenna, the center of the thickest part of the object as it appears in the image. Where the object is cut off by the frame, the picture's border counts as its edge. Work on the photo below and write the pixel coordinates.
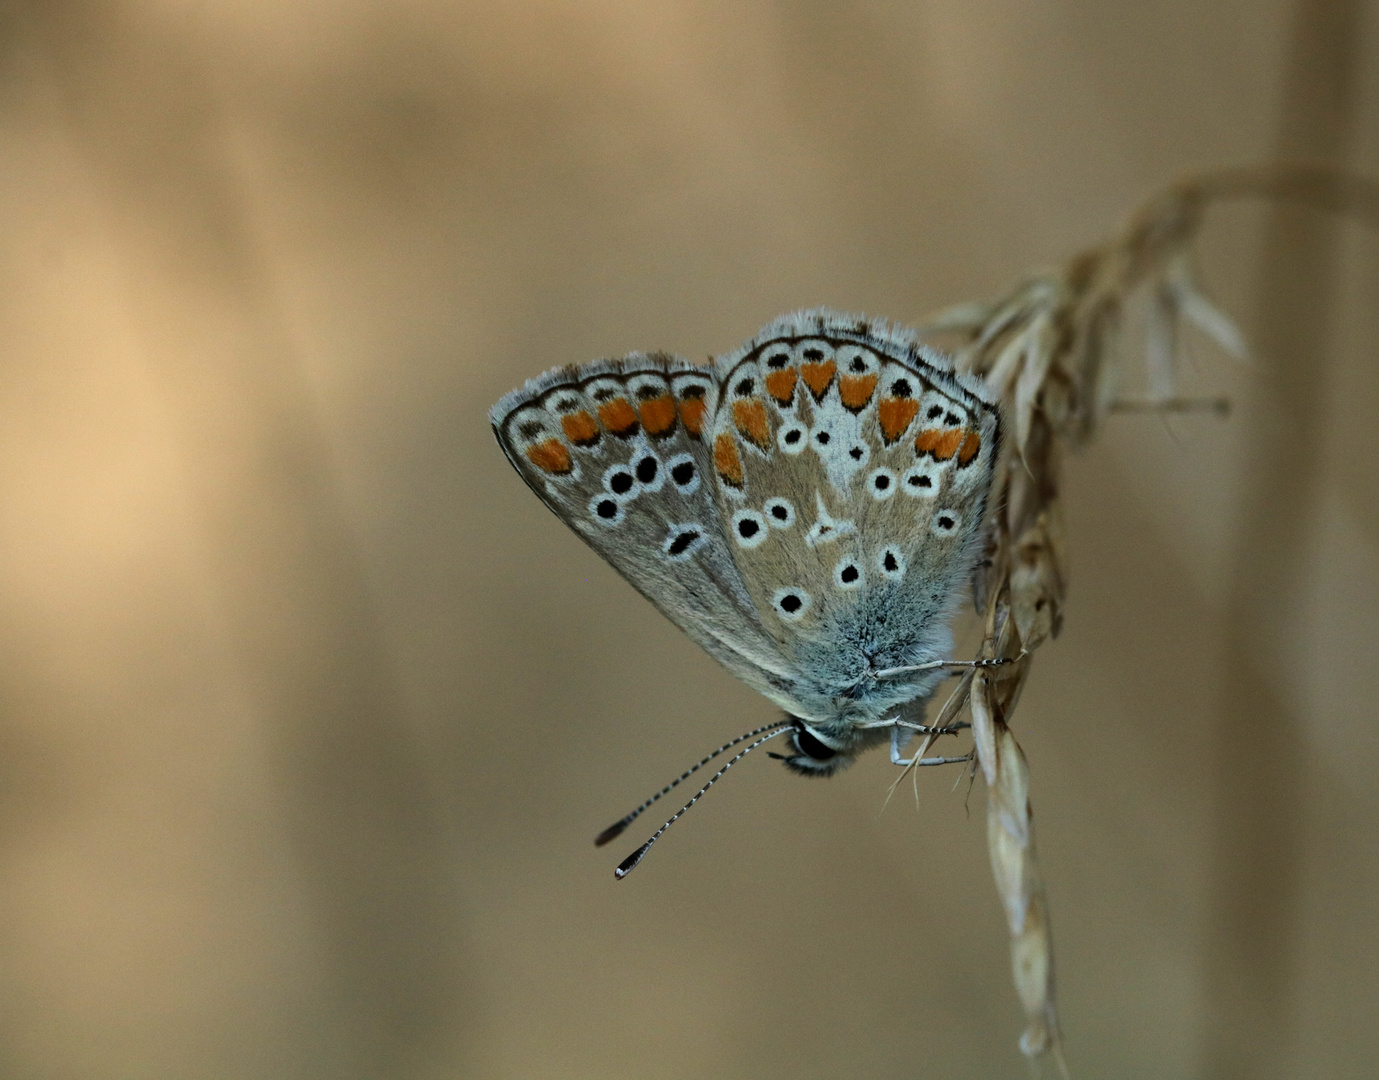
(625, 867)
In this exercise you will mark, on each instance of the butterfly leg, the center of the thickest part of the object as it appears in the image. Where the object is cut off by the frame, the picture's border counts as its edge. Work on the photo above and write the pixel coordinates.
(935, 665)
(900, 737)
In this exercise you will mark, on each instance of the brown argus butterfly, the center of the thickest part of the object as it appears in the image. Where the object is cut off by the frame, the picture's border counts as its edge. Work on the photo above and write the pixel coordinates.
(808, 509)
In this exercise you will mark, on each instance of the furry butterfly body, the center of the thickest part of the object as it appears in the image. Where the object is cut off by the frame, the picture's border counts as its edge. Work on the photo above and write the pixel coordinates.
(807, 508)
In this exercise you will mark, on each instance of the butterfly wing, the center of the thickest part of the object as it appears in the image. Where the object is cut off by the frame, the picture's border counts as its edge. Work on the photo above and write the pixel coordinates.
(618, 450)
(852, 467)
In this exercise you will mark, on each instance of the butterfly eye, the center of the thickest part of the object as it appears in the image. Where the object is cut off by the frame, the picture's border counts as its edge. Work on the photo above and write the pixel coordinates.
(809, 744)
(812, 756)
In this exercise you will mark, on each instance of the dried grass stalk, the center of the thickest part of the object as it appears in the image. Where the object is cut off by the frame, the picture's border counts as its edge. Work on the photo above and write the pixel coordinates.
(1051, 349)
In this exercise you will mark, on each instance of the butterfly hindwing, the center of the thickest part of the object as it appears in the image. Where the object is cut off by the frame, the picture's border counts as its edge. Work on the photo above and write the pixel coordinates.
(851, 467)
(620, 452)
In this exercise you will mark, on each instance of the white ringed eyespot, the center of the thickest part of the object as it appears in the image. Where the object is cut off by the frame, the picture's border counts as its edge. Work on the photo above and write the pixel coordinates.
(780, 513)
(684, 473)
(792, 437)
(790, 603)
(921, 481)
(749, 528)
(682, 541)
(607, 510)
(847, 574)
(890, 563)
(882, 483)
(621, 482)
(946, 523)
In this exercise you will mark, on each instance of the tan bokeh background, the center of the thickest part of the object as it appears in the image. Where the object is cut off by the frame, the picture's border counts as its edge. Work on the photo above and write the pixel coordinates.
(309, 711)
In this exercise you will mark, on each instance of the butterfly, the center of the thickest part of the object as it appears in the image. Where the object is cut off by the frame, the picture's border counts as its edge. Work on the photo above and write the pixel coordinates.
(807, 508)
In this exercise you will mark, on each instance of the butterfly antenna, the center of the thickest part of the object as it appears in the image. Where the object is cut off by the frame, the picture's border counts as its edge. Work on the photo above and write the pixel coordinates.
(617, 827)
(629, 864)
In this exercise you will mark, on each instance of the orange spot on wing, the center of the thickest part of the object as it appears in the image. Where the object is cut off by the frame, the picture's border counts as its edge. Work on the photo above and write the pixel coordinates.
(692, 415)
(580, 428)
(618, 417)
(658, 415)
(971, 443)
(727, 461)
(942, 444)
(856, 390)
(895, 415)
(781, 385)
(550, 456)
(817, 377)
(749, 414)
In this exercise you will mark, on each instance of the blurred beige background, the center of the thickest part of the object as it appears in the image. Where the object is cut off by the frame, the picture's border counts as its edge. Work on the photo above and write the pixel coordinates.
(309, 711)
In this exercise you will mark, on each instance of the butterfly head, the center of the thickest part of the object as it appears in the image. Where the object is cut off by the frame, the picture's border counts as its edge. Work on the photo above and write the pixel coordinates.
(823, 749)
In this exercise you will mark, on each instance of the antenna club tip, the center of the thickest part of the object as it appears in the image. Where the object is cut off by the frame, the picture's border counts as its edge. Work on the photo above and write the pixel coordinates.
(630, 863)
(612, 832)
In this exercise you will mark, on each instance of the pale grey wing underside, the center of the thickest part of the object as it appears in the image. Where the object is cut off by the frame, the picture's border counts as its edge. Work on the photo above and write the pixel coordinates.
(852, 468)
(618, 450)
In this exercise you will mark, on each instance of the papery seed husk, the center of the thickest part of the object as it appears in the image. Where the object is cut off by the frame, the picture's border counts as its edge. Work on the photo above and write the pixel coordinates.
(1102, 356)
(958, 317)
(1006, 365)
(1037, 358)
(1056, 533)
(1009, 867)
(1161, 343)
(956, 700)
(1029, 956)
(983, 727)
(1019, 489)
(1030, 604)
(1005, 317)
(1011, 791)
(1212, 321)
(1056, 398)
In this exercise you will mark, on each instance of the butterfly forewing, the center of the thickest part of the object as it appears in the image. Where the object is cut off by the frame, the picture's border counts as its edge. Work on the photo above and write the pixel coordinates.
(620, 451)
